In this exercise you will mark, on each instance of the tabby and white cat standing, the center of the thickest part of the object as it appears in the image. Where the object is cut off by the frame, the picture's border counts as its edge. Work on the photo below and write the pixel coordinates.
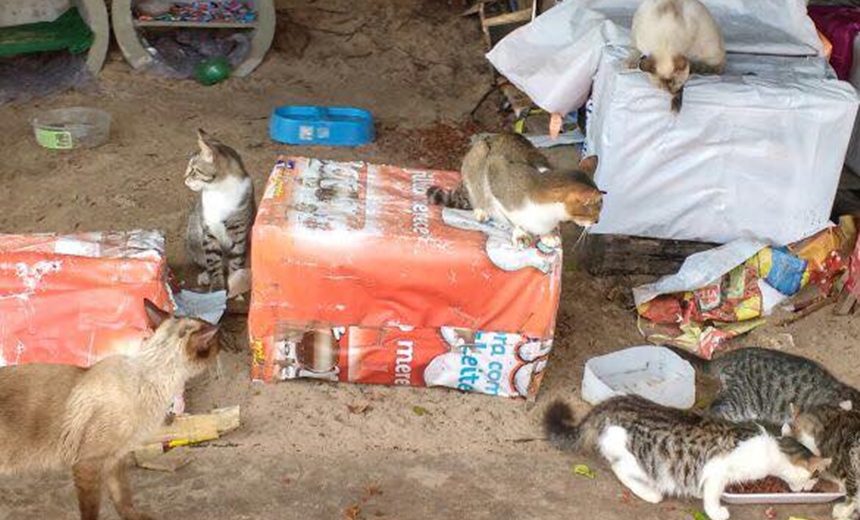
(674, 38)
(657, 451)
(219, 227)
(506, 178)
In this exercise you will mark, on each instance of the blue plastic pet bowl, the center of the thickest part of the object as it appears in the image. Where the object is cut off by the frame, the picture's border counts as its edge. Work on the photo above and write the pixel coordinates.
(330, 126)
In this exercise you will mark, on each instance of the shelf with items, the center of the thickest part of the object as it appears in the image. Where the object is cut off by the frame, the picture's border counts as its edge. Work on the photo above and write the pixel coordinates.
(255, 18)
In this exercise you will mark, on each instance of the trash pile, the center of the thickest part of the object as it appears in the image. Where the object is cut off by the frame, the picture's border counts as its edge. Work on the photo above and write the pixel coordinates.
(722, 293)
(163, 451)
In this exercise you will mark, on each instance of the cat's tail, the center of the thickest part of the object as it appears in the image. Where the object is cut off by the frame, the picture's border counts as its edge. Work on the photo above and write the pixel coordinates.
(700, 364)
(458, 198)
(560, 426)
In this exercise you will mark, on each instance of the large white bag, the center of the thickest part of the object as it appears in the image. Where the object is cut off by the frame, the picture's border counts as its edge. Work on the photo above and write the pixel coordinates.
(554, 58)
(755, 153)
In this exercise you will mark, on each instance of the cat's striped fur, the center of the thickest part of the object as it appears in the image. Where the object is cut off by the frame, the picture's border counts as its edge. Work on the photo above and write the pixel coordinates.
(835, 433)
(657, 451)
(219, 227)
(758, 384)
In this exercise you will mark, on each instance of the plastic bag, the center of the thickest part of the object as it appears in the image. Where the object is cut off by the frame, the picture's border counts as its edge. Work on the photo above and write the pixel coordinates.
(176, 53)
(554, 58)
(33, 76)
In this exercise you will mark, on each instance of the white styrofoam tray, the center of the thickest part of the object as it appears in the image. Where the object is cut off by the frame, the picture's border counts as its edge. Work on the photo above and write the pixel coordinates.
(781, 498)
(655, 373)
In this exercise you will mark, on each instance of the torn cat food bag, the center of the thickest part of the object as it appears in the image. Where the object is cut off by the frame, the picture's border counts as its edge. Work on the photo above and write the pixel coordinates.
(357, 279)
(76, 299)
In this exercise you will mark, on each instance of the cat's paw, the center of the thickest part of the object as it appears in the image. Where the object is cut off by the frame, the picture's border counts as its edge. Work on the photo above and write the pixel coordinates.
(719, 513)
(217, 284)
(135, 515)
(651, 496)
(552, 241)
(203, 279)
(481, 215)
(521, 239)
(844, 510)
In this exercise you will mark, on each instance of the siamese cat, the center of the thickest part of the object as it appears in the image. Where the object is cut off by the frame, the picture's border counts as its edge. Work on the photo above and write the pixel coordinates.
(672, 39)
(89, 419)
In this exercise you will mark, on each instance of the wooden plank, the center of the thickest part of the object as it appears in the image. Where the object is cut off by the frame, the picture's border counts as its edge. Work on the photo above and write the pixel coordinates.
(521, 16)
(154, 458)
(845, 304)
(610, 255)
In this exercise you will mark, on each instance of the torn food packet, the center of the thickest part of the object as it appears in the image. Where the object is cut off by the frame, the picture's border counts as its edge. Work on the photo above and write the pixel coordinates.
(726, 291)
(75, 299)
(357, 279)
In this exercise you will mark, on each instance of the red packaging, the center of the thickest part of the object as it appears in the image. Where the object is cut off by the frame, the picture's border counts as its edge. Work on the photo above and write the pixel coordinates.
(76, 299)
(358, 279)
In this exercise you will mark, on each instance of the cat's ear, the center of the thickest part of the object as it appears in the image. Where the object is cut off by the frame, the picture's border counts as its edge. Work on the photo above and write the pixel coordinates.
(204, 342)
(154, 314)
(846, 405)
(795, 411)
(647, 64)
(819, 463)
(204, 141)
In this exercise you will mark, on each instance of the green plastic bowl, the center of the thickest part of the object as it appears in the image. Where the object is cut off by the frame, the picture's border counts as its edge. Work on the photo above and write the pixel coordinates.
(212, 71)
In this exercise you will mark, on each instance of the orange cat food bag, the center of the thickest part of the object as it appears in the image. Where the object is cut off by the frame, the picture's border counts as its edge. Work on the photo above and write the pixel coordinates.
(357, 279)
(76, 299)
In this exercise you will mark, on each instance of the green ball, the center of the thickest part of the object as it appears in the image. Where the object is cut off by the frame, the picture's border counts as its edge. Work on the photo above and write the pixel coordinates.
(212, 71)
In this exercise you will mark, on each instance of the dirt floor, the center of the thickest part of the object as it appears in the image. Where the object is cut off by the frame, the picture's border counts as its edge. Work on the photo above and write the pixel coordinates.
(301, 453)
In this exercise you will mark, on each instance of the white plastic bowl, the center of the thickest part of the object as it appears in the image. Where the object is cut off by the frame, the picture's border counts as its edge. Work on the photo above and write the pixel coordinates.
(76, 127)
(655, 373)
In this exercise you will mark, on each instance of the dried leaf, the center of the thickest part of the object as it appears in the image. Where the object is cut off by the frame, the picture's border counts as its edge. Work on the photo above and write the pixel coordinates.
(584, 471)
(358, 408)
(770, 513)
(352, 512)
(419, 411)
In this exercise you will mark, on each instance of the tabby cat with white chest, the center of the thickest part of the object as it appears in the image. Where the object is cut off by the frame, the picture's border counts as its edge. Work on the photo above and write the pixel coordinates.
(219, 227)
(657, 451)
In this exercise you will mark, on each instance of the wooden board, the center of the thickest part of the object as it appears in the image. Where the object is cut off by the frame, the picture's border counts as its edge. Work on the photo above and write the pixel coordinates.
(609, 255)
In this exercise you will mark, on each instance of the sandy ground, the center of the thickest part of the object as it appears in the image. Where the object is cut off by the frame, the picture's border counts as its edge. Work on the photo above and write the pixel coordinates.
(301, 454)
